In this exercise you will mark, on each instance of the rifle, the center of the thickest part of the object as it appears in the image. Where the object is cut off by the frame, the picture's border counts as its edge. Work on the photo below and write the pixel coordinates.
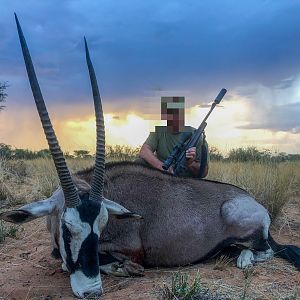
(177, 157)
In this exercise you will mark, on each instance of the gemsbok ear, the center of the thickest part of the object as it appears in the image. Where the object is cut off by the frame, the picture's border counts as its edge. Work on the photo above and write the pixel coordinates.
(32, 210)
(119, 211)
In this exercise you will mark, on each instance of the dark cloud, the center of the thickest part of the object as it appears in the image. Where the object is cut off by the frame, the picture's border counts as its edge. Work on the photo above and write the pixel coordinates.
(285, 84)
(199, 46)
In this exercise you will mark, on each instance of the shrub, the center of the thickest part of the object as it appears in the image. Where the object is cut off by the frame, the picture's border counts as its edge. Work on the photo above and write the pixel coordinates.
(246, 154)
(117, 152)
(7, 231)
(215, 154)
(183, 288)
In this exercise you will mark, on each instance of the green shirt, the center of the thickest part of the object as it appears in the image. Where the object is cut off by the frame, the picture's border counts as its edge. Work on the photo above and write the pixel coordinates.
(162, 143)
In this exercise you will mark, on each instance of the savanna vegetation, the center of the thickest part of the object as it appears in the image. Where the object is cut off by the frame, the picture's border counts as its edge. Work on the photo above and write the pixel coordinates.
(274, 180)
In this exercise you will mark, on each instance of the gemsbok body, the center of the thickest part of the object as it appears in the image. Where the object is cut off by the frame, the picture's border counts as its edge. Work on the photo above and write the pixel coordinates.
(184, 220)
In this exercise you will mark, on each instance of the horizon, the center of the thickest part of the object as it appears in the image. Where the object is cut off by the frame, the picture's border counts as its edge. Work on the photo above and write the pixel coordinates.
(142, 51)
(215, 150)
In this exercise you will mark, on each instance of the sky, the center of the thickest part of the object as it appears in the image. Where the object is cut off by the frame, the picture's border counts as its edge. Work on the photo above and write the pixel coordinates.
(143, 50)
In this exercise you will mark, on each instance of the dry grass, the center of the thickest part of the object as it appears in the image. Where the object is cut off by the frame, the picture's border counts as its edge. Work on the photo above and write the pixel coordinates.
(182, 287)
(222, 262)
(248, 278)
(11, 179)
(272, 184)
(23, 181)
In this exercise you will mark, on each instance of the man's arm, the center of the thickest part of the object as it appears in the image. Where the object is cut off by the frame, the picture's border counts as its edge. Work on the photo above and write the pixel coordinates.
(147, 154)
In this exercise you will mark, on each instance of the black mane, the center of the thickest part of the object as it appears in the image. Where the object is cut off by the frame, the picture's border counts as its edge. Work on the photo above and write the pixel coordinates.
(110, 165)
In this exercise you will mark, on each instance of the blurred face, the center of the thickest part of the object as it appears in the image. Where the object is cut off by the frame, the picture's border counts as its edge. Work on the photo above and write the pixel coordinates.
(172, 110)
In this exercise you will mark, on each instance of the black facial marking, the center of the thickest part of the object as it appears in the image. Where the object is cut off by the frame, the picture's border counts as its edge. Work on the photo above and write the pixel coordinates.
(88, 260)
(88, 210)
(67, 242)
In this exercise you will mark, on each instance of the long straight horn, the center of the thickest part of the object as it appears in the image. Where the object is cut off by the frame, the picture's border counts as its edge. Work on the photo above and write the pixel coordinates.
(68, 187)
(97, 181)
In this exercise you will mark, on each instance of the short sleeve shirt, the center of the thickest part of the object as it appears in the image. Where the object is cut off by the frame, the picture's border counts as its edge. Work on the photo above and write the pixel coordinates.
(162, 143)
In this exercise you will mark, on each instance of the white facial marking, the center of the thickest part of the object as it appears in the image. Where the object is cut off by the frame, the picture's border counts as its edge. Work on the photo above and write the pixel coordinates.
(101, 220)
(80, 230)
(82, 284)
(62, 244)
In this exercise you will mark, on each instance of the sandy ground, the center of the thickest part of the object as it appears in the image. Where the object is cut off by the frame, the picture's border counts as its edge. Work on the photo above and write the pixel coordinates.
(27, 271)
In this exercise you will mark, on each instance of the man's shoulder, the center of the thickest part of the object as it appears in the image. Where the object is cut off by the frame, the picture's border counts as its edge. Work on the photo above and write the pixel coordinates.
(160, 129)
(164, 129)
(189, 129)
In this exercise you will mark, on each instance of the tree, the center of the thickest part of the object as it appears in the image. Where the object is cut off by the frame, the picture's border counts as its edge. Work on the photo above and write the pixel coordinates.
(82, 154)
(245, 154)
(6, 151)
(3, 95)
(44, 153)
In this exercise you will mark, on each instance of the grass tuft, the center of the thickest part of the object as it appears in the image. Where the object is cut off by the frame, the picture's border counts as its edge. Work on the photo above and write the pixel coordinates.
(184, 288)
(7, 231)
(120, 153)
(222, 262)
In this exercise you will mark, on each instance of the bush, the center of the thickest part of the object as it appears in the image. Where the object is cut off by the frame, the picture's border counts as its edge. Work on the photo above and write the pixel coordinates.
(215, 154)
(118, 152)
(248, 154)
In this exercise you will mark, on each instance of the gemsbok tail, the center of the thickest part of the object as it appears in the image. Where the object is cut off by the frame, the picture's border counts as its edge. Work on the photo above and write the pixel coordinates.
(290, 253)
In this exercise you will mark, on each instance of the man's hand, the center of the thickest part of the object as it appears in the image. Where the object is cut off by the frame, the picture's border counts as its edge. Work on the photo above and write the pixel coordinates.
(190, 155)
(170, 170)
(192, 164)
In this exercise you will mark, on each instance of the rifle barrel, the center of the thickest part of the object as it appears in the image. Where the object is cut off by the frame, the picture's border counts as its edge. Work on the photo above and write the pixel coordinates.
(217, 101)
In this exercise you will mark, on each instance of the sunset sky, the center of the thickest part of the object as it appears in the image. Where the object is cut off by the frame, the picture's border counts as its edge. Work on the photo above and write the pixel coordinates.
(143, 50)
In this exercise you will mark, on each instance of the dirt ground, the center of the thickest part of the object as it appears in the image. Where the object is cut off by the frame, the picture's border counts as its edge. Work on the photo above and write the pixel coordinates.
(27, 271)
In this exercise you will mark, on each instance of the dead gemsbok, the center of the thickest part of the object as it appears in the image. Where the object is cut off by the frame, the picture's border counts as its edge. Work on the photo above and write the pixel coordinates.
(185, 220)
